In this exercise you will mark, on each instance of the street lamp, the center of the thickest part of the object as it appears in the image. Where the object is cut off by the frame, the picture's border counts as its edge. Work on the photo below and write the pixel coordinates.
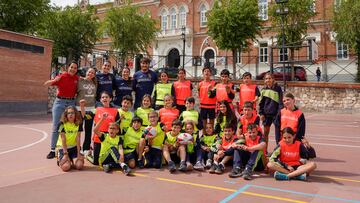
(183, 37)
(282, 11)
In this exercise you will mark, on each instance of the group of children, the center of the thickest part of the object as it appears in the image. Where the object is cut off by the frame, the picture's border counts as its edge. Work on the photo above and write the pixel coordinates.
(221, 133)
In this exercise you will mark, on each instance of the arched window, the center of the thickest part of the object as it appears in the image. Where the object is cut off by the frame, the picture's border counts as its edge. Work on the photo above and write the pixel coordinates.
(182, 17)
(263, 9)
(164, 20)
(203, 18)
(172, 19)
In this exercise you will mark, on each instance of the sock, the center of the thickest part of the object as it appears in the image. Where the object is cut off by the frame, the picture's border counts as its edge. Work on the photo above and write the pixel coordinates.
(122, 165)
(216, 163)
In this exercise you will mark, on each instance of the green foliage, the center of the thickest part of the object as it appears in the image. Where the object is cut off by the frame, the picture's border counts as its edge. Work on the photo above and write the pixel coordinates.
(295, 22)
(73, 31)
(232, 23)
(131, 31)
(346, 24)
(22, 15)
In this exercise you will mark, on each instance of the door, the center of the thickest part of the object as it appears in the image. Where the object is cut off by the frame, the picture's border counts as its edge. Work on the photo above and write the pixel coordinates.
(173, 58)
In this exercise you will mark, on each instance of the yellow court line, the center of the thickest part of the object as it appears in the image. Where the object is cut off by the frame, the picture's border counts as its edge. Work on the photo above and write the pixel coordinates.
(25, 171)
(336, 178)
(271, 197)
(141, 175)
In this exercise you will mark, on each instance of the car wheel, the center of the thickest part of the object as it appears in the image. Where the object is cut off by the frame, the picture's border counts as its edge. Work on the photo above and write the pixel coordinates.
(296, 79)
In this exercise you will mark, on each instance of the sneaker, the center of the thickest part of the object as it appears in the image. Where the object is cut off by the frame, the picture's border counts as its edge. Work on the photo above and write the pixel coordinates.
(213, 168)
(220, 169)
(208, 164)
(171, 166)
(199, 166)
(247, 174)
(189, 167)
(126, 170)
(106, 168)
(140, 163)
(301, 177)
(182, 166)
(235, 172)
(51, 155)
(90, 158)
(280, 176)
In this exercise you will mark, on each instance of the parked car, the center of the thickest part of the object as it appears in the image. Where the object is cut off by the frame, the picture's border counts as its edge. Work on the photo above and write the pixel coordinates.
(299, 75)
(171, 71)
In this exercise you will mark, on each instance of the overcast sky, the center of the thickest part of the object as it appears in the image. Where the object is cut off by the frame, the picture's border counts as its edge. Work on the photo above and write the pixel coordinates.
(73, 2)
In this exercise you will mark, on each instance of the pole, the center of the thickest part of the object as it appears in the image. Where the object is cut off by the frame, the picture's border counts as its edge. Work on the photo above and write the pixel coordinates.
(183, 29)
(283, 49)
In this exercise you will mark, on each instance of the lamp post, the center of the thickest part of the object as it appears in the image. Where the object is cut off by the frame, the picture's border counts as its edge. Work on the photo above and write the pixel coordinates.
(282, 11)
(183, 37)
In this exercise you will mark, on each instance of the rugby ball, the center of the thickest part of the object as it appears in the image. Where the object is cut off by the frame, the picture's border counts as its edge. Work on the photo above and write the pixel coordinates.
(149, 132)
(184, 138)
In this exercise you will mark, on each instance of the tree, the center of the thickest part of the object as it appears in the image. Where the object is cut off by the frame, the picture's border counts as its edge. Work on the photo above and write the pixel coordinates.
(22, 15)
(233, 24)
(73, 31)
(131, 31)
(346, 24)
(295, 24)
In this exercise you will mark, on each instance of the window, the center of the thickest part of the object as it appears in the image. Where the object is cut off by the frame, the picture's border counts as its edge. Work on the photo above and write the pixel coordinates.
(337, 4)
(172, 19)
(203, 18)
(263, 9)
(263, 53)
(163, 21)
(182, 17)
(342, 51)
(313, 6)
(283, 55)
(21, 46)
(238, 57)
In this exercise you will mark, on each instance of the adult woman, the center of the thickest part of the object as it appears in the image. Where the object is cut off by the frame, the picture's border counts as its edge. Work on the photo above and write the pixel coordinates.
(67, 86)
(105, 80)
(122, 85)
(86, 92)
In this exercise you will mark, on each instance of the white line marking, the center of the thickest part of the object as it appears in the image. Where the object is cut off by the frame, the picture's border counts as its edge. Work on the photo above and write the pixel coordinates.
(45, 135)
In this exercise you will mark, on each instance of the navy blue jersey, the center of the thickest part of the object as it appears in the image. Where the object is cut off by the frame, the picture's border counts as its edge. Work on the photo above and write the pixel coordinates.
(122, 88)
(105, 83)
(143, 83)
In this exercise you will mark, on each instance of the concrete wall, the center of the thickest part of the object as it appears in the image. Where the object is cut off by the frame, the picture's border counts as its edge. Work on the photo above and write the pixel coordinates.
(23, 74)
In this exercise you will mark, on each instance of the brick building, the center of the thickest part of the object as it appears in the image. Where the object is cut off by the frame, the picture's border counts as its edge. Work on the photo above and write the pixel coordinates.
(173, 15)
(25, 63)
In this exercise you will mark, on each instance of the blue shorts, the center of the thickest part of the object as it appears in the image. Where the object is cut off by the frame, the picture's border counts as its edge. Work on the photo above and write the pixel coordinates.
(130, 156)
(268, 120)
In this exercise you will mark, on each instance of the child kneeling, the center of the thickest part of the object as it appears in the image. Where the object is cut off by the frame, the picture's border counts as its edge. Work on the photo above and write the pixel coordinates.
(286, 158)
(111, 152)
(249, 153)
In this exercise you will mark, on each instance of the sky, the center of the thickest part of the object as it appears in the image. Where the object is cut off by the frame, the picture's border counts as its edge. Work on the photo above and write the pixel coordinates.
(64, 3)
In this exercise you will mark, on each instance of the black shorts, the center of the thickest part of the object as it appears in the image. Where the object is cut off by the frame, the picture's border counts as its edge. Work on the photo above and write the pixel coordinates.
(268, 120)
(207, 113)
(129, 156)
(72, 152)
(229, 152)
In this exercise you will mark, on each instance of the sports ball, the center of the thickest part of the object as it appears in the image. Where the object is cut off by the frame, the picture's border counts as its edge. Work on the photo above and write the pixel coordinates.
(184, 138)
(149, 132)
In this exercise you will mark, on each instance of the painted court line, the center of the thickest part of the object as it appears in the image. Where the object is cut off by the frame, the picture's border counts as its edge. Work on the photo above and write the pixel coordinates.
(45, 135)
(228, 198)
(336, 178)
(304, 194)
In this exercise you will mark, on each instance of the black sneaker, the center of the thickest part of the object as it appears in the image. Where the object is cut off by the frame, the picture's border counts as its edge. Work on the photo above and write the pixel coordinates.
(171, 166)
(213, 168)
(126, 170)
(182, 166)
(106, 168)
(235, 172)
(247, 174)
(220, 169)
(51, 155)
(140, 163)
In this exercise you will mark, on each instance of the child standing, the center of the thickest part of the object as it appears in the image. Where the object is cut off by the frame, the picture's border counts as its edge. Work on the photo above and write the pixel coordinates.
(224, 90)
(249, 156)
(111, 153)
(285, 160)
(69, 140)
(270, 103)
(183, 89)
(248, 92)
(225, 115)
(191, 114)
(125, 114)
(134, 144)
(171, 148)
(249, 116)
(105, 80)
(122, 85)
(161, 89)
(223, 150)
(144, 110)
(153, 148)
(207, 105)
(169, 113)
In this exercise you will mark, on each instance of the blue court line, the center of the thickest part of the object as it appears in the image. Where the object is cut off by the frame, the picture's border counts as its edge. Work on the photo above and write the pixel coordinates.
(301, 193)
(242, 189)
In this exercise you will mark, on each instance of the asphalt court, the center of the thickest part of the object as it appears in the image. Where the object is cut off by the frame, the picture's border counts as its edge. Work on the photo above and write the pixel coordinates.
(24, 170)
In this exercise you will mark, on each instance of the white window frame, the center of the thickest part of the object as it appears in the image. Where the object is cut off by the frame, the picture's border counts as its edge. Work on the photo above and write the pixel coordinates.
(172, 19)
(182, 17)
(238, 56)
(203, 18)
(313, 6)
(263, 52)
(342, 50)
(263, 9)
(164, 21)
(285, 55)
